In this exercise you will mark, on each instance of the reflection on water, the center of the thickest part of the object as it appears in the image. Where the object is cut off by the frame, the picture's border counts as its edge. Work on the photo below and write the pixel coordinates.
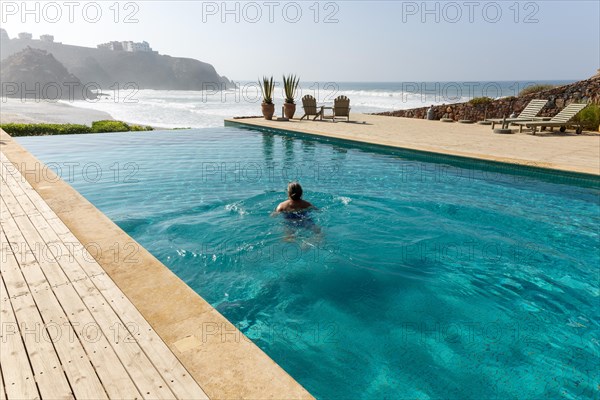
(268, 147)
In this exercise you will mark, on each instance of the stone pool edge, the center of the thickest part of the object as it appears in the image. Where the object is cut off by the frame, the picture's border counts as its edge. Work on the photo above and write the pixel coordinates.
(224, 362)
(516, 164)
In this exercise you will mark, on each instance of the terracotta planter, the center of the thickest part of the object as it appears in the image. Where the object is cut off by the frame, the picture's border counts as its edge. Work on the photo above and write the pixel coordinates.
(289, 109)
(268, 110)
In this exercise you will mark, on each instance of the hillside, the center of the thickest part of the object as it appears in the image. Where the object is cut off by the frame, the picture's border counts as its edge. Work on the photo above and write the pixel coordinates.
(105, 67)
(36, 74)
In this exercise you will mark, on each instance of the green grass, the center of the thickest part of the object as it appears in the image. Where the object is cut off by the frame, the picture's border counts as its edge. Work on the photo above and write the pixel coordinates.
(476, 101)
(535, 89)
(116, 126)
(589, 117)
(44, 129)
(70, 129)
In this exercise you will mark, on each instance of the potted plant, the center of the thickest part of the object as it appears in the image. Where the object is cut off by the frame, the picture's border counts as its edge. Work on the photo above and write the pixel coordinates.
(290, 85)
(267, 86)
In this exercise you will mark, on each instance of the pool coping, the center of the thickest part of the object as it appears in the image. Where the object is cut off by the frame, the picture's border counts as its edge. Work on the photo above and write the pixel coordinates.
(484, 160)
(224, 362)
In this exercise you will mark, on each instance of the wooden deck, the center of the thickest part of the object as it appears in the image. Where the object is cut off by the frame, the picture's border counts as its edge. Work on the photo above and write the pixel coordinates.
(67, 330)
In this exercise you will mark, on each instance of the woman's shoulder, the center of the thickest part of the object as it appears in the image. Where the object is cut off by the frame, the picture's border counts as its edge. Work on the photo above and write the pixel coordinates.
(306, 205)
(283, 206)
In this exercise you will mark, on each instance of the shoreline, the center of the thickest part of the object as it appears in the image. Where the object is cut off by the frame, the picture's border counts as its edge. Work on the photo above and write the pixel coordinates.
(19, 111)
(50, 112)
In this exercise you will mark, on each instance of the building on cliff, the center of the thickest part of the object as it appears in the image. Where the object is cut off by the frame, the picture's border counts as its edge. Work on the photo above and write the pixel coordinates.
(114, 46)
(135, 47)
(127, 45)
(25, 35)
(47, 38)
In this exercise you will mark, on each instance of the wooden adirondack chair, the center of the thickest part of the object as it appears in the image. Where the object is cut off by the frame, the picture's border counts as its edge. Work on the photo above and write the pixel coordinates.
(341, 108)
(309, 104)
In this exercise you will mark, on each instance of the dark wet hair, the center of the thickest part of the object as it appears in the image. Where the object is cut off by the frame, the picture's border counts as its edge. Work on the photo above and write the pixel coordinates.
(295, 191)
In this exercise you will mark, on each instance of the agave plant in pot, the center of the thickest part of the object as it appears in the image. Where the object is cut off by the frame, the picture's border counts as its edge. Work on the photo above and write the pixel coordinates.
(267, 86)
(290, 85)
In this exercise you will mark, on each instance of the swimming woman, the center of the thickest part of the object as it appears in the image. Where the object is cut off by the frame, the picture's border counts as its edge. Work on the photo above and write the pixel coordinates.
(294, 207)
(295, 211)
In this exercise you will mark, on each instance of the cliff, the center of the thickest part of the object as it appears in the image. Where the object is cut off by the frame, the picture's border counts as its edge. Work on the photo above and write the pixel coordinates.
(558, 97)
(36, 74)
(107, 68)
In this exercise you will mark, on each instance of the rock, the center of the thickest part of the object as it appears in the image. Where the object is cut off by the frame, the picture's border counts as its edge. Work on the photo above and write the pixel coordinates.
(146, 70)
(557, 97)
(36, 74)
(560, 103)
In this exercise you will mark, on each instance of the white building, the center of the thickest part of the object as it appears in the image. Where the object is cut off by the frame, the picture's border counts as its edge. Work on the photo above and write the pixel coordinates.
(25, 35)
(114, 46)
(127, 45)
(135, 47)
(47, 38)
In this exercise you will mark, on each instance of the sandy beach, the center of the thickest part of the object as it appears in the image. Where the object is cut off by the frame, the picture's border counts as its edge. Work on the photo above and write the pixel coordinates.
(19, 111)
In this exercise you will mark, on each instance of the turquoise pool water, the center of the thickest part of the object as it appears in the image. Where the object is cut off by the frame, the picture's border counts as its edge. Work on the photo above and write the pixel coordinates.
(428, 280)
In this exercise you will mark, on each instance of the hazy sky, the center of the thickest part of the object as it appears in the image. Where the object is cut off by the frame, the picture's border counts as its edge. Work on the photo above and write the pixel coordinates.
(341, 40)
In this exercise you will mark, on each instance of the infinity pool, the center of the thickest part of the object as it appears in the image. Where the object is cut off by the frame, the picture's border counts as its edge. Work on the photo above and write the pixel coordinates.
(428, 280)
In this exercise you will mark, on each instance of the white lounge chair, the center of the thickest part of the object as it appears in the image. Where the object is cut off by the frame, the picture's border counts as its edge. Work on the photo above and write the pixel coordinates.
(561, 120)
(529, 113)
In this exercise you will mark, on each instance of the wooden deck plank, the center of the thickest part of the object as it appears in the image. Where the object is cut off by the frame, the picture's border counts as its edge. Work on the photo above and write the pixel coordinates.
(10, 271)
(148, 380)
(45, 250)
(16, 370)
(48, 372)
(11, 203)
(109, 368)
(2, 392)
(80, 373)
(9, 169)
(115, 378)
(176, 376)
(47, 369)
(150, 383)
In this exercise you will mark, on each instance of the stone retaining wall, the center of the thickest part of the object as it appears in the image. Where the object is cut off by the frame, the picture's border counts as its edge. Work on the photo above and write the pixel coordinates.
(559, 97)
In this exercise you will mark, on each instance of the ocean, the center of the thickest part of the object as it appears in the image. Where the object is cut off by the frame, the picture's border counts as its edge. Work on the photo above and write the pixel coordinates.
(204, 109)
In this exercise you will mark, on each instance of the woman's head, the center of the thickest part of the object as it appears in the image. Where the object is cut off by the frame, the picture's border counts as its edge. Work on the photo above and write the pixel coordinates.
(294, 191)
